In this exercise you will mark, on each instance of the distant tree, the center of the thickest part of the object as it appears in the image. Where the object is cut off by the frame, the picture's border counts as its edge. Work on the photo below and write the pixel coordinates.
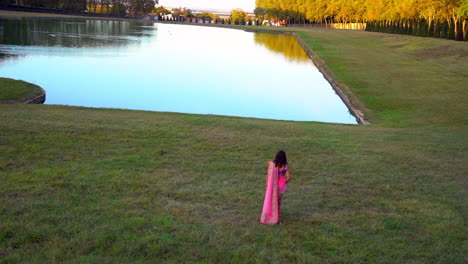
(260, 13)
(161, 10)
(238, 16)
(104, 6)
(187, 12)
(207, 16)
(178, 11)
(432, 18)
(141, 7)
(92, 5)
(68, 5)
(118, 9)
(463, 13)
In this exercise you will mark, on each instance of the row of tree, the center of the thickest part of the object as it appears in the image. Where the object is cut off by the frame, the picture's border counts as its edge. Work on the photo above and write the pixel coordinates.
(421, 27)
(197, 19)
(68, 5)
(109, 7)
(382, 15)
(118, 7)
(238, 16)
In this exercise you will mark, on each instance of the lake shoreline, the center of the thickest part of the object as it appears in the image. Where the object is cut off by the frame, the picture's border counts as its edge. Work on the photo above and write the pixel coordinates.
(38, 99)
(310, 96)
(318, 62)
(321, 65)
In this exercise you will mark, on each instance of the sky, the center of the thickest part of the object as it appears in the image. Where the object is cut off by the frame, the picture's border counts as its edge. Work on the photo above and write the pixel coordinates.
(246, 5)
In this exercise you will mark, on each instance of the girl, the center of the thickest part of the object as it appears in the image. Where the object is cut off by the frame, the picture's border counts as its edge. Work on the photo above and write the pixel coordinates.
(277, 178)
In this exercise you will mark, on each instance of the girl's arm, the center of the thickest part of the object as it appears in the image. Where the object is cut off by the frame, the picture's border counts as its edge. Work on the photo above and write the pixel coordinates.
(288, 176)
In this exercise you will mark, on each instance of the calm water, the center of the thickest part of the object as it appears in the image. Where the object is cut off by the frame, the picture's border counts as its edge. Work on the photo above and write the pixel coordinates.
(172, 68)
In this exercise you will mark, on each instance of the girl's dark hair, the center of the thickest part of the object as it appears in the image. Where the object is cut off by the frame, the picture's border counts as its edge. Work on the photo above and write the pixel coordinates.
(280, 159)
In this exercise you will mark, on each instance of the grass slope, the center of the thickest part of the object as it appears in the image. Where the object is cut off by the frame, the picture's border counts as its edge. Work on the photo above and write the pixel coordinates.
(115, 186)
(14, 91)
(400, 80)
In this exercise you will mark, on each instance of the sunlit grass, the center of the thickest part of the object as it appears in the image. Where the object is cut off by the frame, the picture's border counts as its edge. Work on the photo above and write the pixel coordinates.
(399, 80)
(126, 185)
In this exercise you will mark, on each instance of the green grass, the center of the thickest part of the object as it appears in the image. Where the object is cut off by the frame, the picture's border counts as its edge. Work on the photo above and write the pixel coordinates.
(400, 80)
(115, 186)
(14, 91)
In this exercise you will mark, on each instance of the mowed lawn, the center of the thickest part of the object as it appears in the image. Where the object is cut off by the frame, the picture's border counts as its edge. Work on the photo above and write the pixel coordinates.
(84, 185)
(13, 91)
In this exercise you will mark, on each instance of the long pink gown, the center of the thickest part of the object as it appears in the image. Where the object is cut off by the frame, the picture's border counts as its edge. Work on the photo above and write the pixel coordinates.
(274, 190)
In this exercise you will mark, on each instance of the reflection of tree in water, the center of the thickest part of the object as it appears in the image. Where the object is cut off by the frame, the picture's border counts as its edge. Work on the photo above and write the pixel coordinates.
(283, 44)
(5, 56)
(70, 33)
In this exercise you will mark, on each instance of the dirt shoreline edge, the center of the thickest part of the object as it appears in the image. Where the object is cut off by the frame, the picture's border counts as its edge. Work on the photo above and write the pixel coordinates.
(319, 63)
(38, 99)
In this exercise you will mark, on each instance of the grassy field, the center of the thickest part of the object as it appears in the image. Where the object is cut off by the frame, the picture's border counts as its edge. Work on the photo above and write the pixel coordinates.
(399, 80)
(14, 91)
(83, 185)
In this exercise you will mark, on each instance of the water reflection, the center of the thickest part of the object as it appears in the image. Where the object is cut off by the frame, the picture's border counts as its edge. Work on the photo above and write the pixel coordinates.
(286, 45)
(70, 33)
(5, 56)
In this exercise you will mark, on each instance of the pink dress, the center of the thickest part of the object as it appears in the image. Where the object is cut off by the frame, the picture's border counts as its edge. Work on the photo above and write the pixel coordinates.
(282, 187)
(275, 188)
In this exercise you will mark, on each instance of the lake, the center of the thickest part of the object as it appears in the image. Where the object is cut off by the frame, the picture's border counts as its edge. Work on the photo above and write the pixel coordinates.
(169, 68)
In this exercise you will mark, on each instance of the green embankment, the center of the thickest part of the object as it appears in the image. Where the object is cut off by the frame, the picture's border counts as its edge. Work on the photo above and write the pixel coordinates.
(115, 186)
(15, 91)
(401, 80)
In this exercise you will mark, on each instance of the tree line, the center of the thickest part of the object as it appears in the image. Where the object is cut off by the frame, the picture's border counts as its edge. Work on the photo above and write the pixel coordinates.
(417, 17)
(237, 17)
(109, 7)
